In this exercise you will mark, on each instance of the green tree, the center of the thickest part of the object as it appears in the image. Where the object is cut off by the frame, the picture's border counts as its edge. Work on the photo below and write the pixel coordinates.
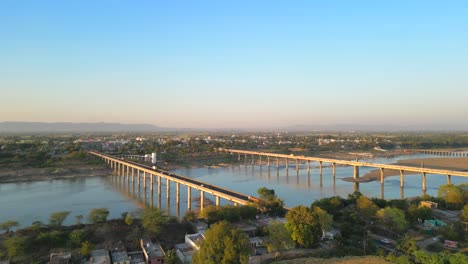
(15, 245)
(325, 220)
(154, 219)
(7, 225)
(98, 215)
(393, 218)
(266, 194)
(278, 237)
(406, 245)
(223, 244)
(189, 216)
(415, 213)
(269, 204)
(86, 248)
(366, 208)
(303, 226)
(464, 214)
(170, 257)
(128, 219)
(57, 218)
(451, 194)
(77, 236)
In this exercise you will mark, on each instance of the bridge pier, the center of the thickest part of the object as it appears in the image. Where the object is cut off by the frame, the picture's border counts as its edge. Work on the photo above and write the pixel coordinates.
(151, 182)
(217, 201)
(202, 200)
(449, 179)
(238, 157)
(268, 161)
(356, 172)
(423, 178)
(287, 164)
(308, 166)
(402, 179)
(168, 189)
(297, 165)
(334, 170)
(402, 193)
(253, 159)
(189, 198)
(277, 163)
(260, 160)
(178, 195)
(382, 191)
(382, 176)
(144, 180)
(139, 180)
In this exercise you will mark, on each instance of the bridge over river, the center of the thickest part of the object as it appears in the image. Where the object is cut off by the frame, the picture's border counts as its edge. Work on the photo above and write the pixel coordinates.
(355, 164)
(145, 175)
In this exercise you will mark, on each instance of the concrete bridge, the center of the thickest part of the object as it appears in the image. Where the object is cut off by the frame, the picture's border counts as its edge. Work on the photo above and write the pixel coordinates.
(443, 152)
(355, 164)
(141, 174)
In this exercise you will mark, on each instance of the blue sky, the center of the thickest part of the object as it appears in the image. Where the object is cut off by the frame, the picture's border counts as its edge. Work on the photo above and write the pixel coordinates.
(218, 64)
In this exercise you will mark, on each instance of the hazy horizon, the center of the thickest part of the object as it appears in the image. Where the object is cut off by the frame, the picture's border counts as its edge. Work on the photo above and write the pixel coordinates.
(242, 64)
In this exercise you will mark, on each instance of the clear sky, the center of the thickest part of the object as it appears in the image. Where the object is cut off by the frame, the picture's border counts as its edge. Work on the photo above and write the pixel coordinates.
(219, 64)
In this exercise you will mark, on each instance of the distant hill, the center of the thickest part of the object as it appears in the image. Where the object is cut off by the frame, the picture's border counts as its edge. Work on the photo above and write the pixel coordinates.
(40, 127)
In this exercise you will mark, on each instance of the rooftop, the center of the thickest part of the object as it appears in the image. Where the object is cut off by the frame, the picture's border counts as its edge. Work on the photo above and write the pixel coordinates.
(136, 257)
(119, 256)
(152, 249)
(100, 256)
(185, 249)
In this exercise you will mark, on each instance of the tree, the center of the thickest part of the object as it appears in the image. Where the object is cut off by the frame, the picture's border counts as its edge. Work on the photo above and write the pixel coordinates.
(464, 214)
(189, 216)
(366, 208)
(266, 194)
(303, 226)
(154, 219)
(86, 248)
(57, 218)
(269, 204)
(406, 245)
(7, 225)
(415, 213)
(98, 215)
(223, 244)
(278, 237)
(128, 219)
(15, 245)
(77, 236)
(451, 194)
(393, 218)
(170, 257)
(325, 220)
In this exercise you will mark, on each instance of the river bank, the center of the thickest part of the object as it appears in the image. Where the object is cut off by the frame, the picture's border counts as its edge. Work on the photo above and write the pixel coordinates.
(459, 164)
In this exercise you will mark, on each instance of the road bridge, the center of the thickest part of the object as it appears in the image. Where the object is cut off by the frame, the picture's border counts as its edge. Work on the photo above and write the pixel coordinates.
(355, 164)
(140, 173)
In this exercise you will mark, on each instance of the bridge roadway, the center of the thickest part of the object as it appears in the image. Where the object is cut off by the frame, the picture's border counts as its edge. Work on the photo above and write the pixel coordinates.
(355, 164)
(235, 197)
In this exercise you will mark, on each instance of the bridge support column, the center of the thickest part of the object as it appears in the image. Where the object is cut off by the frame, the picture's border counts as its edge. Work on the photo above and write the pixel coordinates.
(202, 200)
(423, 178)
(260, 160)
(287, 164)
(151, 182)
(168, 189)
(217, 201)
(159, 187)
(268, 161)
(449, 180)
(178, 194)
(320, 168)
(381, 175)
(277, 163)
(297, 165)
(238, 156)
(144, 180)
(189, 198)
(356, 172)
(235, 204)
(139, 180)
(334, 170)
(308, 166)
(253, 159)
(133, 169)
(402, 179)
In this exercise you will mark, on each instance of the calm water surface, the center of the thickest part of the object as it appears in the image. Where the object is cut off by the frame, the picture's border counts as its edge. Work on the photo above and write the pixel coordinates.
(35, 201)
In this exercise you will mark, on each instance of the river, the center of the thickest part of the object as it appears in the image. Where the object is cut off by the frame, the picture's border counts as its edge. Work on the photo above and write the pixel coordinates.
(27, 202)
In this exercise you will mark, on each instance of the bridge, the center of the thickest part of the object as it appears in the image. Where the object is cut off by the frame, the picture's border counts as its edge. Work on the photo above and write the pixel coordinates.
(140, 173)
(355, 164)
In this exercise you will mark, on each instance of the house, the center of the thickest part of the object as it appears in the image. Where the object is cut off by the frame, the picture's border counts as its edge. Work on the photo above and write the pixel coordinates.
(59, 258)
(120, 257)
(433, 224)
(100, 256)
(136, 257)
(329, 235)
(200, 225)
(153, 252)
(186, 250)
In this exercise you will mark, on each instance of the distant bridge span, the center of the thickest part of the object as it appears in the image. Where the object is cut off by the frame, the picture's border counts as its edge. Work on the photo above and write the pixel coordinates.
(355, 164)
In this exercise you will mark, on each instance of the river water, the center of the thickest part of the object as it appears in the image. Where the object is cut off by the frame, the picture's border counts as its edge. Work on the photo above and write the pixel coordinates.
(34, 201)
